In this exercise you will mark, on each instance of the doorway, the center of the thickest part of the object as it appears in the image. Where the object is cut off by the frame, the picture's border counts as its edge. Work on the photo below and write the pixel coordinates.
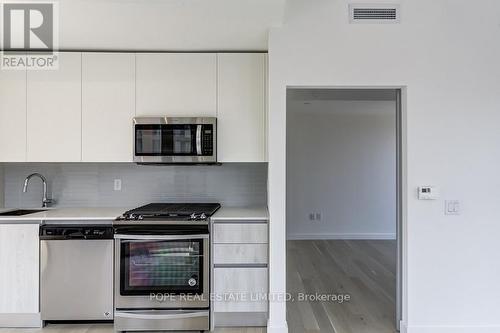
(344, 210)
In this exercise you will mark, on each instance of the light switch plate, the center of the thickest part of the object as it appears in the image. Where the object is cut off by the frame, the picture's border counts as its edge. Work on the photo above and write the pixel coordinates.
(452, 207)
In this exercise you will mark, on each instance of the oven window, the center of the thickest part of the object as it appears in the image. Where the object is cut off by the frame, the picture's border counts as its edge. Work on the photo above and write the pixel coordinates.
(161, 266)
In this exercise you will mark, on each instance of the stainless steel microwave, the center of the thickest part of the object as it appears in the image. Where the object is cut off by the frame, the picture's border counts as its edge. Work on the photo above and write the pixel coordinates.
(175, 140)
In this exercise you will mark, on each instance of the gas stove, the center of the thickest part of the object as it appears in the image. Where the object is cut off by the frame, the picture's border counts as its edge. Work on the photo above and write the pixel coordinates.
(169, 213)
(163, 249)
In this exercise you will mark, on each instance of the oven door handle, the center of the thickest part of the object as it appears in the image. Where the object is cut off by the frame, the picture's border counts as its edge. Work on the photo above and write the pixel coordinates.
(160, 237)
(159, 315)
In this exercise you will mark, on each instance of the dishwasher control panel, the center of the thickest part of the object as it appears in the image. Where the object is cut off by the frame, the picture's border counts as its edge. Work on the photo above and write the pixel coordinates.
(55, 232)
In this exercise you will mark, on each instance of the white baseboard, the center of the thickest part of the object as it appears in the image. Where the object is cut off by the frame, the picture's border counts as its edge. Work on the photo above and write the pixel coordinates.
(450, 329)
(20, 320)
(273, 328)
(326, 236)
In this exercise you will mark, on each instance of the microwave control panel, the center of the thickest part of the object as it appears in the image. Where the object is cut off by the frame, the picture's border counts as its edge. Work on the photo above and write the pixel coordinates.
(207, 140)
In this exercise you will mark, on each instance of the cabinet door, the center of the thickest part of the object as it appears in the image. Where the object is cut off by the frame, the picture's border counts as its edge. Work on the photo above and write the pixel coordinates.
(54, 112)
(248, 283)
(19, 262)
(176, 84)
(108, 106)
(13, 116)
(241, 113)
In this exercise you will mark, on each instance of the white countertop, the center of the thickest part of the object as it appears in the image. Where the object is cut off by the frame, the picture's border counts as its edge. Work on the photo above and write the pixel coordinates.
(92, 214)
(241, 213)
(67, 214)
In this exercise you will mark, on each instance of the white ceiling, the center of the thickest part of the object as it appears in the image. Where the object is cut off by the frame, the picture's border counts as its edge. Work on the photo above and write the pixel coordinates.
(167, 25)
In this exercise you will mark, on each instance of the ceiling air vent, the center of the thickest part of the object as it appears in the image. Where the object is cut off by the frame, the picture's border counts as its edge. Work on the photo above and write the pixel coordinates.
(373, 13)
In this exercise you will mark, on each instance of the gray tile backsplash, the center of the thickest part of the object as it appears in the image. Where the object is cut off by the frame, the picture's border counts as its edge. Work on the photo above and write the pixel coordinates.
(92, 184)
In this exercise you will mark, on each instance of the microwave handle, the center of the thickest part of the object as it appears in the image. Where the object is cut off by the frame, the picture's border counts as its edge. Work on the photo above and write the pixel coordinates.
(198, 139)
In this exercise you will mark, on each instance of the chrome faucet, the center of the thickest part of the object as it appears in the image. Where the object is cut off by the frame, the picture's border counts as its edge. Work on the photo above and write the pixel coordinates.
(45, 201)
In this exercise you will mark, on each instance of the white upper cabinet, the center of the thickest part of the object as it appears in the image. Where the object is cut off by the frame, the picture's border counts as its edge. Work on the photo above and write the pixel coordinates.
(83, 110)
(176, 84)
(13, 116)
(54, 112)
(241, 114)
(108, 106)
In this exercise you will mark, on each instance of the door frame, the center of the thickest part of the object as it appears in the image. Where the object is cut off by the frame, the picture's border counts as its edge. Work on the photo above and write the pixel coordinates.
(401, 190)
(401, 205)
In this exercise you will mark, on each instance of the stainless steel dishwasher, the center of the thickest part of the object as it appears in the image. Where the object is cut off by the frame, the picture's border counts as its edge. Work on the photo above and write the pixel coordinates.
(76, 272)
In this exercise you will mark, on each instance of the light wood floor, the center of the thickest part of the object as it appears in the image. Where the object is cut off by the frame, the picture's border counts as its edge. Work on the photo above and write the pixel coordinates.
(108, 328)
(366, 270)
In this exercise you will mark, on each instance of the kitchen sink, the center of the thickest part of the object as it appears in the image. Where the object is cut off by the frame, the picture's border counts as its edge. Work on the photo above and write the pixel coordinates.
(20, 212)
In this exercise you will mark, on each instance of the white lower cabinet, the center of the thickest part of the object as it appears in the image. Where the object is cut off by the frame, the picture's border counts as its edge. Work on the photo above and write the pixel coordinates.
(241, 289)
(240, 233)
(243, 254)
(19, 275)
(240, 273)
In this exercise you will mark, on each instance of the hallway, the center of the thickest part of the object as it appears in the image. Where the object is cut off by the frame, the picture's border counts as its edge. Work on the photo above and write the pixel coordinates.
(363, 269)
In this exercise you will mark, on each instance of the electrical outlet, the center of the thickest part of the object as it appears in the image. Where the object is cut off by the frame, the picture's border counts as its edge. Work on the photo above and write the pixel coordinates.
(318, 216)
(312, 216)
(118, 185)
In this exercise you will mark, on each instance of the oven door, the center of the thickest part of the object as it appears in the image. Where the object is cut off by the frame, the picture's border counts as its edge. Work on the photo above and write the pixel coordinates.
(175, 140)
(161, 271)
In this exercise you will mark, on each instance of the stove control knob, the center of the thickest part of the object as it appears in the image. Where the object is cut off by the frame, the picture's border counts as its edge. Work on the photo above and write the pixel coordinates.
(193, 216)
(203, 216)
(140, 217)
(192, 282)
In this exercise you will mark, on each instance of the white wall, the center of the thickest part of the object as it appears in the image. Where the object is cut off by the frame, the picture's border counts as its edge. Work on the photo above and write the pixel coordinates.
(341, 162)
(167, 25)
(446, 53)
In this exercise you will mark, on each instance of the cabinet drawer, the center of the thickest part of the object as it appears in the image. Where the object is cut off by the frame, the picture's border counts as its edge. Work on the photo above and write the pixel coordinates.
(240, 289)
(240, 254)
(233, 233)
